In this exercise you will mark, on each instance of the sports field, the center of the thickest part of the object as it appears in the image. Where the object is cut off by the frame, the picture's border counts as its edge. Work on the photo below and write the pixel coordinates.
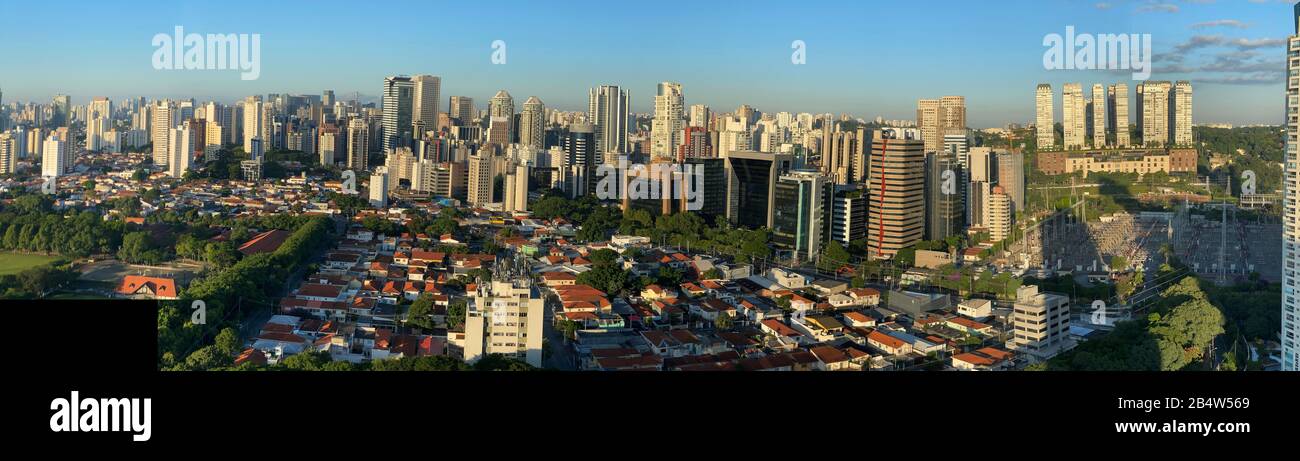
(13, 263)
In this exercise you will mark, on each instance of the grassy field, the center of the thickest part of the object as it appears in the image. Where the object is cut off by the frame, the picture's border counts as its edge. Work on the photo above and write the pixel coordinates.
(13, 263)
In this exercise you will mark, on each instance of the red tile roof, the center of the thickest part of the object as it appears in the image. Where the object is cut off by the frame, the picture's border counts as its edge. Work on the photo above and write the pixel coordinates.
(265, 242)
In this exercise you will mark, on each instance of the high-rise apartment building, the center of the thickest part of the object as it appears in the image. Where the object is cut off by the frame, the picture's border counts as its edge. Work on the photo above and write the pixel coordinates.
(1117, 116)
(608, 111)
(54, 159)
(1044, 122)
(532, 123)
(1290, 333)
(665, 129)
(998, 214)
(379, 187)
(1073, 117)
(505, 316)
(1098, 119)
(163, 122)
(1153, 113)
(700, 116)
(1011, 176)
(845, 155)
(938, 117)
(480, 179)
(502, 107)
(358, 145)
(1181, 113)
(896, 217)
(180, 148)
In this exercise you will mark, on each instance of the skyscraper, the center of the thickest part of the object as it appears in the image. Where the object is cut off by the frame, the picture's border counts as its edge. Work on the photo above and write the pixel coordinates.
(700, 115)
(665, 130)
(1011, 176)
(751, 186)
(945, 209)
(1073, 116)
(1118, 113)
(462, 108)
(896, 217)
(845, 158)
(254, 121)
(580, 158)
(427, 92)
(480, 179)
(399, 102)
(1181, 113)
(162, 124)
(998, 214)
(1044, 122)
(1290, 333)
(608, 110)
(938, 117)
(1153, 113)
(54, 160)
(532, 123)
(798, 213)
(502, 106)
(180, 148)
(1098, 119)
(358, 144)
(62, 106)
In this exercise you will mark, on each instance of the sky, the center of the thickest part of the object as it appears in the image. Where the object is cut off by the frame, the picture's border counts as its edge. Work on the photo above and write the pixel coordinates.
(863, 57)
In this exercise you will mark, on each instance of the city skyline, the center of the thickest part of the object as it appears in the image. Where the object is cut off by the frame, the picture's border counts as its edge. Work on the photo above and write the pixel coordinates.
(1222, 47)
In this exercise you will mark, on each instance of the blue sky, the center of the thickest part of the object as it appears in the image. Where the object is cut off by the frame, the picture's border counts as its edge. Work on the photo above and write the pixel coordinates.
(867, 58)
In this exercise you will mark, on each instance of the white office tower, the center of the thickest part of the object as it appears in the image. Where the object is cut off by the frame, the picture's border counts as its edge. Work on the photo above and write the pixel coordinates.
(180, 150)
(1181, 119)
(608, 111)
(379, 187)
(1098, 116)
(1044, 123)
(532, 123)
(1073, 116)
(505, 316)
(161, 126)
(700, 115)
(358, 145)
(54, 158)
(253, 121)
(1290, 334)
(427, 93)
(666, 128)
(516, 189)
(1117, 117)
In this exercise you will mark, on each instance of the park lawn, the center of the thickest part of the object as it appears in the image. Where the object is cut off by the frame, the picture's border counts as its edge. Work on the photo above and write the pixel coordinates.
(13, 263)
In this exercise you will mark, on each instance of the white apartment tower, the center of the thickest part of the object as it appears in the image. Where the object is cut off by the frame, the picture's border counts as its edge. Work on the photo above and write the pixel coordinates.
(1117, 116)
(1181, 120)
(1044, 122)
(1290, 334)
(1073, 116)
(505, 317)
(666, 129)
(162, 124)
(1098, 116)
(532, 123)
